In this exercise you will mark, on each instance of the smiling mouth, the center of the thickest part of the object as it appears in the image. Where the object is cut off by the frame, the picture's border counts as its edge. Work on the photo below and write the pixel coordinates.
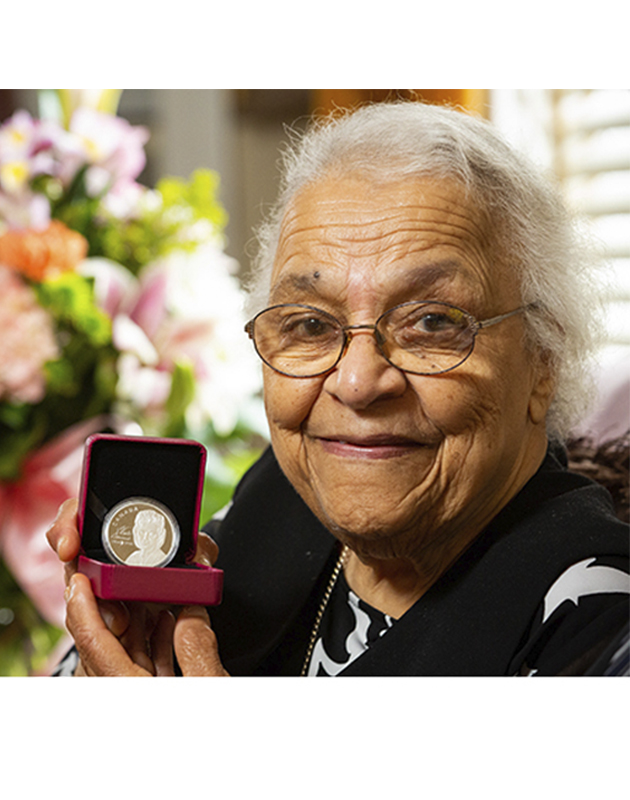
(375, 447)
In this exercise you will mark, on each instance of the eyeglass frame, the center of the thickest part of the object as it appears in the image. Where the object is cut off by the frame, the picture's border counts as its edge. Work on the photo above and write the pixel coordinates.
(476, 325)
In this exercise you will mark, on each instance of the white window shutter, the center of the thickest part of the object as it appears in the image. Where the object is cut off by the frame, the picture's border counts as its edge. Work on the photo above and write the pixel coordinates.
(592, 159)
(583, 135)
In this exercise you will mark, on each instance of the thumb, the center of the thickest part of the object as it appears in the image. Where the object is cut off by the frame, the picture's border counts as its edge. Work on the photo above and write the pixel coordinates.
(207, 550)
(100, 651)
(196, 645)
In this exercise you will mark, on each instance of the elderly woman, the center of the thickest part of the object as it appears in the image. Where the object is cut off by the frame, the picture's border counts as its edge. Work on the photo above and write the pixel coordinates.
(423, 309)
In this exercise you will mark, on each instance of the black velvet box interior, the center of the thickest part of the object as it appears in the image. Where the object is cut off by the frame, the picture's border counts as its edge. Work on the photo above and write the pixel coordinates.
(167, 470)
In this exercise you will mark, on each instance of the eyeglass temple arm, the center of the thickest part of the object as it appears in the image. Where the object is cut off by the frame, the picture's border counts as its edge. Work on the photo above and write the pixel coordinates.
(486, 323)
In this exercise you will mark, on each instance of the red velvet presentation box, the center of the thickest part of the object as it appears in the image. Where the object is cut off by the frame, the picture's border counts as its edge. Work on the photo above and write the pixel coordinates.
(123, 475)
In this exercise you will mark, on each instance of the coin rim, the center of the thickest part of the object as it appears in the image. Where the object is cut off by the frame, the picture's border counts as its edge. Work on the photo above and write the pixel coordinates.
(150, 501)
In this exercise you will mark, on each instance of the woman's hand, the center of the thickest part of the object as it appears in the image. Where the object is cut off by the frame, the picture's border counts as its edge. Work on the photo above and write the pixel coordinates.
(100, 651)
(103, 654)
(138, 637)
(64, 538)
(196, 645)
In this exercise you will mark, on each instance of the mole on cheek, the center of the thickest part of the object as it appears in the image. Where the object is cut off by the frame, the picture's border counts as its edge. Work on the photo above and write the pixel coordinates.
(316, 275)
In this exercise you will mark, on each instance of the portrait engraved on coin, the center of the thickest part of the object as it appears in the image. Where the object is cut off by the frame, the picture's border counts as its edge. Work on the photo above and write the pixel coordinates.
(140, 532)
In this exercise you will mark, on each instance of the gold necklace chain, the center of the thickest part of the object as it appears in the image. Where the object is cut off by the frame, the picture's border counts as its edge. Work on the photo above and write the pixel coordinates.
(345, 552)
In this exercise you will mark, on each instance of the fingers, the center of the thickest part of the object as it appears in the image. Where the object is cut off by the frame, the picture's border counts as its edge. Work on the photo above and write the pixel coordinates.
(63, 535)
(196, 644)
(100, 652)
(207, 550)
(115, 615)
(135, 639)
(162, 645)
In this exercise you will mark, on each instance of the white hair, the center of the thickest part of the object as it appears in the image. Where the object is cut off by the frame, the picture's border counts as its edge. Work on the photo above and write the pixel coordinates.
(532, 231)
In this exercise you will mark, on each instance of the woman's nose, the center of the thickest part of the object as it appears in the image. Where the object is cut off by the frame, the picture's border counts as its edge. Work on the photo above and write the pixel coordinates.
(363, 375)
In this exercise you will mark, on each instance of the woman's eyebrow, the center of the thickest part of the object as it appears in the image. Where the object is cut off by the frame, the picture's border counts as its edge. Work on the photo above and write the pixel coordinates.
(303, 284)
(419, 278)
(427, 275)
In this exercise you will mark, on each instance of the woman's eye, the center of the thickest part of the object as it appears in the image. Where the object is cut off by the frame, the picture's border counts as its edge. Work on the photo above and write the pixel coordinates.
(307, 327)
(314, 327)
(433, 327)
(435, 323)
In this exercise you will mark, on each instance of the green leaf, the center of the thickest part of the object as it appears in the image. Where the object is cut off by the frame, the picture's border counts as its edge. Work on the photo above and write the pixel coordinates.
(18, 444)
(70, 298)
(59, 377)
(236, 461)
(14, 416)
(180, 397)
(198, 195)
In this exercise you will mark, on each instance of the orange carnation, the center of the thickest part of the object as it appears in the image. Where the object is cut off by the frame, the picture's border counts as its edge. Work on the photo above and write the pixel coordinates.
(37, 254)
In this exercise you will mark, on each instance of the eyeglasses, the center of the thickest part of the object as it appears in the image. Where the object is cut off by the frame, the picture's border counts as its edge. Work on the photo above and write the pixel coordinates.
(420, 338)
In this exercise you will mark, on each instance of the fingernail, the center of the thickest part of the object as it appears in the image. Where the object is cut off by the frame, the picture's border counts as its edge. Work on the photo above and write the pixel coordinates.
(108, 618)
(69, 591)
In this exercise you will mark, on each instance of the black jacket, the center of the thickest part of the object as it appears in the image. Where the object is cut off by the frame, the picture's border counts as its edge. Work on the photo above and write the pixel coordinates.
(483, 617)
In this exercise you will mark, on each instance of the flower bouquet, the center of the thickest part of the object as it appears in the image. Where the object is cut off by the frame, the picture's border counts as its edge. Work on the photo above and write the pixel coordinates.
(120, 311)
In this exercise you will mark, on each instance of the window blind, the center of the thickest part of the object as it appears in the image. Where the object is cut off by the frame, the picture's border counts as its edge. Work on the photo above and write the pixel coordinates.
(591, 155)
(583, 135)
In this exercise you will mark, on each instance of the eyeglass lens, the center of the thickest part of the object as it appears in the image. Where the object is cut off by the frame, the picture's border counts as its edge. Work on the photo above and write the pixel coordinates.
(420, 338)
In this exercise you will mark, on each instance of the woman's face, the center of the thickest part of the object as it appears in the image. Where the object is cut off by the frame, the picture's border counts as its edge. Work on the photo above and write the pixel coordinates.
(396, 460)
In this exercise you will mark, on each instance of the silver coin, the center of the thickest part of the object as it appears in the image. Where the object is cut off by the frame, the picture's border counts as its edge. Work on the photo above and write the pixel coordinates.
(140, 532)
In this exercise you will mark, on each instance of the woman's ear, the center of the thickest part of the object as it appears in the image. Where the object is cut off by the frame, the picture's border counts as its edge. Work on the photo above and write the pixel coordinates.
(543, 389)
